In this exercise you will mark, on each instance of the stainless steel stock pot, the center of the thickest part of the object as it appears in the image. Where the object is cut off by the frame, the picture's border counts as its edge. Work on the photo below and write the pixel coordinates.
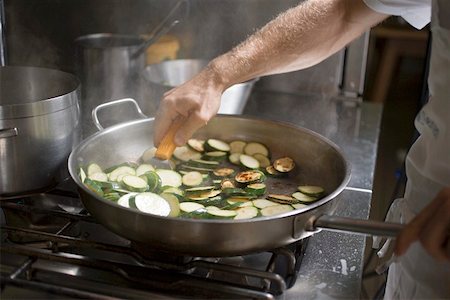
(39, 118)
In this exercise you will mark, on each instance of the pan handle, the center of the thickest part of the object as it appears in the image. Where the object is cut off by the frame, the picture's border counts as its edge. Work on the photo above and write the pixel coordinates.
(365, 227)
(113, 103)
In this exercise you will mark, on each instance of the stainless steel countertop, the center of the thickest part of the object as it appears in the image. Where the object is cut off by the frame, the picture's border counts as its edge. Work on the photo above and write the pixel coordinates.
(333, 262)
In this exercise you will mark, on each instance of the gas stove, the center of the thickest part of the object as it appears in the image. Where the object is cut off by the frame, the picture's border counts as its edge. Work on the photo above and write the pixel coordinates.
(51, 248)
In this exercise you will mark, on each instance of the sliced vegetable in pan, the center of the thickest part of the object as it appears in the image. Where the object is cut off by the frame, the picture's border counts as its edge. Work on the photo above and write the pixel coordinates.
(205, 184)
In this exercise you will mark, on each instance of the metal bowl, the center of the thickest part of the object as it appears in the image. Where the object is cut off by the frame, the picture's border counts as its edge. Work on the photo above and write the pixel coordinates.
(162, 77)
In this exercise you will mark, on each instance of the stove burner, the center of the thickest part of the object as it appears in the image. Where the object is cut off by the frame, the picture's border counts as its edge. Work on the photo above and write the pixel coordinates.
(50, 244)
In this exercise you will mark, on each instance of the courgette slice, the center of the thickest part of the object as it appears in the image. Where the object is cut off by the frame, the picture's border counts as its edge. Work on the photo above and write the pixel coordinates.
(263, 203)
(280, 198)
(191, 168)
(299, 205)
(240, 203)
(216, 145)
(247, 212)
(184, 153)
(190, 206)
(215, 155)
(96, 188)
(223, 172)
(173, 190)
(199, 190)
(237, 146)
(134, 183)
(253, 147)
(197, 145)
(311, 190)
(152, 204)
(153, 181)
(112, 196)
(148, 154)
(276, 210)
(204, 196)
(125, 164)
(82, 175)
(234, 158)
(271, 171)
(233, 192)
(263, 160)
(248, 177)
(200, 163)
(257, 189)
(304, 198)
(284, 164)
(93, 168)
(227, 184)
(193, 178)
(249, 161)
(222, 213)
(124, 200)
(98, 176)
(122, 170)
(144, 168)
(173, 203)
(169, 177)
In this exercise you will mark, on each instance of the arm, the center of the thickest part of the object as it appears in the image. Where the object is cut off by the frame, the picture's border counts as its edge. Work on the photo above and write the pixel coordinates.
(298, 38)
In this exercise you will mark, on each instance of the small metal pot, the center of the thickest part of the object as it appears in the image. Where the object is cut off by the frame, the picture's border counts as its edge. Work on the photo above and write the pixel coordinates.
(39, 117)
(164, 76)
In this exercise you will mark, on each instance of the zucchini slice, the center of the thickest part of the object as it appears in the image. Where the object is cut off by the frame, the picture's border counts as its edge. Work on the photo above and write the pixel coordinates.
(283, 199)
(112, 196)
(148, 154)
(271, 171)
(200, 163)
(263, 160)
(93, 168)
(169, 177)
(311, 190)
(191, 168)
(223, 213)
(223, 172)
(152, 204)
(240, 203)
(248, 161)
(284, 164)
(234, 158)
(153, 181)
(173, 190)
(247, 212)
(199, 190)
(193, 178)
(263, 203)
(122, 170)
(99, 176)
(227, 184)
(215, 155)
(197, 145)
(304, 198)
(299, 205)
(217, 145)
(257, 189)
(237, 146)
(204, 196)
(125, 200)
(184, 153)
(93, 186)
(233, 192)
(134, 183)
(82, 175)
(173, 203)
(252, 148)
(144, 168)
(249, 176)
(276, 210)
(190, 206)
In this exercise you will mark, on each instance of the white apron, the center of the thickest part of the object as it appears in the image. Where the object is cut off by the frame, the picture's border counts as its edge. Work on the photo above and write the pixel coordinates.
(416, 275)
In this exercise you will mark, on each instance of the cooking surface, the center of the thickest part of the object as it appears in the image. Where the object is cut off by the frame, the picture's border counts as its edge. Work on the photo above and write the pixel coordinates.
(332, 264)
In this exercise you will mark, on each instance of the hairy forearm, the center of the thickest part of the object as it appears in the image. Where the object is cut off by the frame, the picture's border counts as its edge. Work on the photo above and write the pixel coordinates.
(299, 38)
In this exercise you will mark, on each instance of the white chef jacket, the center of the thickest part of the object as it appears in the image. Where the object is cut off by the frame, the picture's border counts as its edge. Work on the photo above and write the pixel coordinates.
(417, 275)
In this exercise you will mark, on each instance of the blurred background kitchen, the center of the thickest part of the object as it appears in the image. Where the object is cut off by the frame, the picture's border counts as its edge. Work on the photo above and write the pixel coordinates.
(388, 69)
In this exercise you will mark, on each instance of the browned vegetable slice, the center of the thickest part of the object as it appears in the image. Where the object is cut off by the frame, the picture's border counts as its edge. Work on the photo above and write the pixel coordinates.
(223, 172)
(197, 145)
(284, 164)
(280, 198)
(248, 176)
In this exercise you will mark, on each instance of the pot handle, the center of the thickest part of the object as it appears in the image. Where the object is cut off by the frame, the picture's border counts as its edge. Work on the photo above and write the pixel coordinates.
(8, 132)
(113, 103)
(365, 227)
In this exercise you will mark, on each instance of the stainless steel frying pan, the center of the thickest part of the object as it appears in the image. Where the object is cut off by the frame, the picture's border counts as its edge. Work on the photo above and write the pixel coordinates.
(319, 162)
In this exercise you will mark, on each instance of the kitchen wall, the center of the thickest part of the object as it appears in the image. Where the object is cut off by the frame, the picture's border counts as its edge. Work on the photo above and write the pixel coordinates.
(42, 33)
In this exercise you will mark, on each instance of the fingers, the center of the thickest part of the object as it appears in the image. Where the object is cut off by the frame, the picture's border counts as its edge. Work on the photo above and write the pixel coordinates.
(431, 227)
(194, 122)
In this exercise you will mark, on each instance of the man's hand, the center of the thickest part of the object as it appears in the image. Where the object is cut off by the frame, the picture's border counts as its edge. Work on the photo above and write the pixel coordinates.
(431, 227)
(196, 101)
